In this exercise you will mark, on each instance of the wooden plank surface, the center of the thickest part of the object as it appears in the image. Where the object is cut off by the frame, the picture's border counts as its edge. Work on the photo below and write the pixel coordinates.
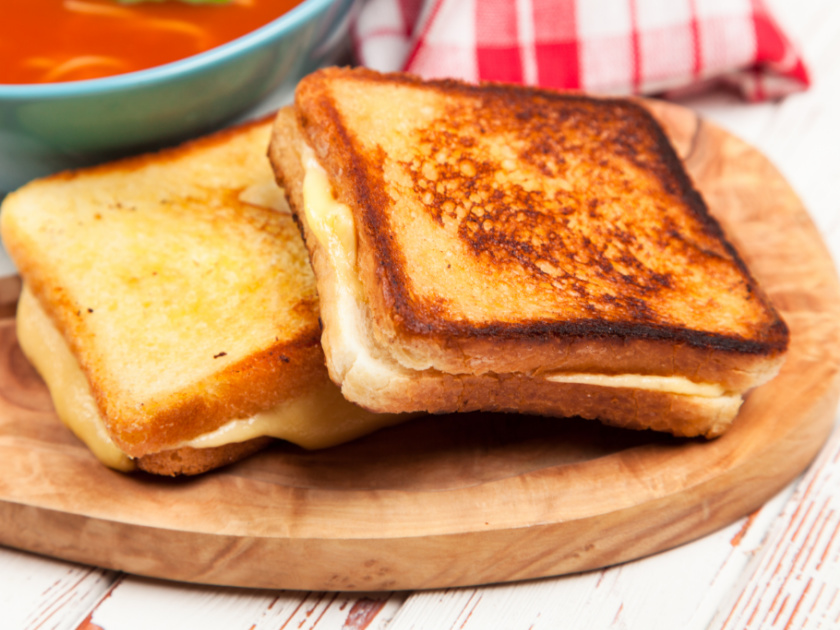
(459, 500)
(40, 593)
(189, 606)
(796, 578)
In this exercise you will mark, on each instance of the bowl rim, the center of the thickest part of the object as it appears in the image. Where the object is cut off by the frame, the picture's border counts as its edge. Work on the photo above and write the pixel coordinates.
(297, 16)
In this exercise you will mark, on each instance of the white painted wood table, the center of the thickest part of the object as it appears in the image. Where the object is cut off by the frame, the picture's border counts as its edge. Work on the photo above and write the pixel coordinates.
(776, 568)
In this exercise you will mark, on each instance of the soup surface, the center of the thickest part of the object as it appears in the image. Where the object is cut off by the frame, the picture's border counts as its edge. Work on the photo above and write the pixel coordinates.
(49, 41)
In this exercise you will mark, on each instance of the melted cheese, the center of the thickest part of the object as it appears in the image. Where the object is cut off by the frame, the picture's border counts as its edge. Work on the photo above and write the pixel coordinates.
(330, 220)
(346, 332)
(320, 419)
(668, 384)
(46, 349)
(331, 223)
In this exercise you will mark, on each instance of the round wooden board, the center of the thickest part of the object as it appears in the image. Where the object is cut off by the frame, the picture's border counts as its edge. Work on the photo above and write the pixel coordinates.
(454, 500)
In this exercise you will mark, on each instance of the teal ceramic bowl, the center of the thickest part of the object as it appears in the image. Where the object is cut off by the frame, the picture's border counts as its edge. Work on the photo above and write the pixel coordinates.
(45, 128)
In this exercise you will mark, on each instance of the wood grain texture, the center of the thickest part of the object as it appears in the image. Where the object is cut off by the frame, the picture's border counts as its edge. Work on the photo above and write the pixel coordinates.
(455, 500)
(192, 606)
(796, 578)
(37, 592)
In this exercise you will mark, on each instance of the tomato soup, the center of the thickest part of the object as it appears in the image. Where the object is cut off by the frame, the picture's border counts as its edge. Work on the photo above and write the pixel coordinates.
(49, 41)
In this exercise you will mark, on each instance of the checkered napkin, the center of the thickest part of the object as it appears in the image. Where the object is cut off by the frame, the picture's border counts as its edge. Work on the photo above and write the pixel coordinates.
(604, 46)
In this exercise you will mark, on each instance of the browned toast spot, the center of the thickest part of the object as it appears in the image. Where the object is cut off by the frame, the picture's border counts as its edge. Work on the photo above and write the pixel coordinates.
(575, 209)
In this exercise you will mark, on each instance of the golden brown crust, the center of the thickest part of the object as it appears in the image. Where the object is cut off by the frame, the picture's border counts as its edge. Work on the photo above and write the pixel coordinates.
(194, 461)
(261, 294)
(385, 386)
(281, 370)
(605, 355)
(259, 382)
(656, 271)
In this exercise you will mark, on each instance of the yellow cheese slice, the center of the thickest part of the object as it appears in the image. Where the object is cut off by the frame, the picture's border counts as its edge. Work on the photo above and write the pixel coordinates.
(668, 384)
(46, 349)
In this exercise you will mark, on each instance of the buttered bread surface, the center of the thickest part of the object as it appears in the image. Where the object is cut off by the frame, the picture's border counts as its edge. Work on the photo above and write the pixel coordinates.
(505, 248)
(523, 211)
(180, 283)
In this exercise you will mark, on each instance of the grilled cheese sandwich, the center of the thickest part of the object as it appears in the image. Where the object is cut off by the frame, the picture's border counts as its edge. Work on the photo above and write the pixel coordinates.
(169, 306)
(388, 176)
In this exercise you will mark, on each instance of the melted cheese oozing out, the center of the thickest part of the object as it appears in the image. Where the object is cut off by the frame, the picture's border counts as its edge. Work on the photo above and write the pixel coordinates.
(345, 336)
(46, 349)
(330, 220)
(331, 223)
(319, 419)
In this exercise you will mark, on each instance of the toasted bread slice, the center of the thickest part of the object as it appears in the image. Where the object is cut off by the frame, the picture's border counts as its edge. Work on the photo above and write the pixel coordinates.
(506, 240)
(181, 287)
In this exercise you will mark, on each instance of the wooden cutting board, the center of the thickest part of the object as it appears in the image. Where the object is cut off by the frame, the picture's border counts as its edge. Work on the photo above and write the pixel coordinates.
(453, 500)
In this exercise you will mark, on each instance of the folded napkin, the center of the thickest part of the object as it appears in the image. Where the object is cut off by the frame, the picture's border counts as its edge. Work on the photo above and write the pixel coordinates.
(604, 46)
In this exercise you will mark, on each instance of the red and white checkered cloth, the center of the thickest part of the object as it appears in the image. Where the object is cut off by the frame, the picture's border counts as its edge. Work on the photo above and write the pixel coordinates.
(604, 46)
